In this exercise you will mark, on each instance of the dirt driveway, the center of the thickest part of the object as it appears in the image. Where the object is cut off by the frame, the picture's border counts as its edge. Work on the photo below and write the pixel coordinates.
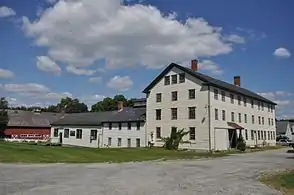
(230, 175)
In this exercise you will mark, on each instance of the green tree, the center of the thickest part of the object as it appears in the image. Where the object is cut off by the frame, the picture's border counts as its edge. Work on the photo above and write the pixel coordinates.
(70, 105)
(3, 115)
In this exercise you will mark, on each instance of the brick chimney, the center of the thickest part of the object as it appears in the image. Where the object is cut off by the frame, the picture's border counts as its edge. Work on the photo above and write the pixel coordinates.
(120, 106)
(237, 80)
(194, 65)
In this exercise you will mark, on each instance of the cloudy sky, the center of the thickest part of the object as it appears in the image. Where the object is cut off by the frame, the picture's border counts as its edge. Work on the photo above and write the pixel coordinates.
(91, 49)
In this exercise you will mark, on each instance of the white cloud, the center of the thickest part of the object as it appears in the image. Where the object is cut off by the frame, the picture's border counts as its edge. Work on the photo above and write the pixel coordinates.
(4, 73)
(120, 83)
(282, 52)
(6, 12)
(80, 71)
(28, 88)
(44, 63)
(95, 80)
(208, 65)
(122, 35)
(234, 39)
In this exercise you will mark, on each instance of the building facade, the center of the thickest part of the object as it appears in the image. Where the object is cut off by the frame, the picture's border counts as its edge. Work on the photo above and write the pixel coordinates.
(113, 129)
(214, 112)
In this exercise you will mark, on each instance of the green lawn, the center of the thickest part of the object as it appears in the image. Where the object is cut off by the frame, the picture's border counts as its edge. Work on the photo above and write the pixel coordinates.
(283, 182)
(26, 153)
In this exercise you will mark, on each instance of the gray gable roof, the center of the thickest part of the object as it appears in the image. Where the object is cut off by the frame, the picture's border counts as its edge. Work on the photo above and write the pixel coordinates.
(209, 81)
(282, 127)
(97, 118)
(31, 119)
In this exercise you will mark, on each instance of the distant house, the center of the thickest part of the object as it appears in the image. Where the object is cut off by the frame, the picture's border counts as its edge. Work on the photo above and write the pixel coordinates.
(29, 126)
(285, 128)
(124, 127)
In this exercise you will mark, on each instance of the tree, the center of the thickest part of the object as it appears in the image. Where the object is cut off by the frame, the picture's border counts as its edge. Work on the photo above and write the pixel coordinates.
(110, 104)
(3, 115)
(70, 105)
(176, 137)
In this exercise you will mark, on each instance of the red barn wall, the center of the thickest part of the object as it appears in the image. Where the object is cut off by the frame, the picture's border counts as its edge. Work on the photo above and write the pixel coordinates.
(27, 133)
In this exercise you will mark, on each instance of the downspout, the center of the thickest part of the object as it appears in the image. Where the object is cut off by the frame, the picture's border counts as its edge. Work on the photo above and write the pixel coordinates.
(209, 120)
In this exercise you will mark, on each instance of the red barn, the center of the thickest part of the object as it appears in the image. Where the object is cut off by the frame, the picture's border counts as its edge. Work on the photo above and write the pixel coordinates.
(29, 126)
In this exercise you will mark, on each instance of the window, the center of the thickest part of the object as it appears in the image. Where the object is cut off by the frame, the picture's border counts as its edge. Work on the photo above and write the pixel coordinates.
(55, 132)
(174, 113)
(223, 115)
(129, 126)
(79, 134)
(109, 141)
(262, 107)
(182, 77)
(158, 97)
(66, 133)
(252, 135)
(166, 80)
(158, 132)
(72, 133)
(232, 116)
(223, 96)
(258, 105)
(109, 126)
(138, 144)
(264, 135)
(192, 94)
(216, 114)
(258, 135)
(239, 117)
(252, 104)
(239, 100)
(192, 133)
(261, 132)
(192, 112)
(129, 142)
(262, 119)
(174, 79)
(119, 126)
(94, 134)
(118, 142)
(232, 98)
(246, 134)
(245, 101)
(174, 95)
(259, 121)
(158, 114)
(215, 94)
(252, 119)
(245, 118)
(138, 126)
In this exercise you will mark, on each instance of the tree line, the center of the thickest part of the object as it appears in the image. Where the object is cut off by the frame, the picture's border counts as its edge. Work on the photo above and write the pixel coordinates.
(74, 105)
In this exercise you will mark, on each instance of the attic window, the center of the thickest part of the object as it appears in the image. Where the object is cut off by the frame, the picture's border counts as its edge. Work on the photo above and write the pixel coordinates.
(166, 80)
(182, 77)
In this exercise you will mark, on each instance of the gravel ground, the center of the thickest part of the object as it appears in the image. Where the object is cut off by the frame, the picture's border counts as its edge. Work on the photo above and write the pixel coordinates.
(229, 175)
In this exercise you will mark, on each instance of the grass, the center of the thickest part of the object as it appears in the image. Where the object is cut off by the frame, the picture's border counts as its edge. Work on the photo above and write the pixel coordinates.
(26, 153)
(283, 181)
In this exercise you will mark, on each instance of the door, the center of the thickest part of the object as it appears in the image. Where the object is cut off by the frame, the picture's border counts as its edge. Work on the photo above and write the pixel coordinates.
(221, 139)
(60, 137)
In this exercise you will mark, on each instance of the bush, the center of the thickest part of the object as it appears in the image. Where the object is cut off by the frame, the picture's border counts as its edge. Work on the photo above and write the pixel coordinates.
(241, 144)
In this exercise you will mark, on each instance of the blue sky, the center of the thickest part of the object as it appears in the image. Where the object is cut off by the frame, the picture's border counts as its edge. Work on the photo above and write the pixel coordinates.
(92, 49)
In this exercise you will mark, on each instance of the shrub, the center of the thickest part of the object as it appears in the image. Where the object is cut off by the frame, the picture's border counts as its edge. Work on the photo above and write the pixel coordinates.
(241, 144)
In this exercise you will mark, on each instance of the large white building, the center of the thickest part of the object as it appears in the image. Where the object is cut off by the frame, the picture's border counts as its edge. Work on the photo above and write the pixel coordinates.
(213, 111)
(121, 128)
